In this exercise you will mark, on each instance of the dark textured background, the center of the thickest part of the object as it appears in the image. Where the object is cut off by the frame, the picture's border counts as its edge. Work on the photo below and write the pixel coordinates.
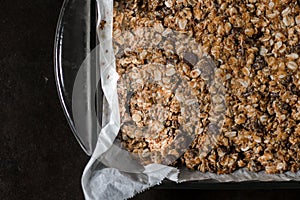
(39, 157)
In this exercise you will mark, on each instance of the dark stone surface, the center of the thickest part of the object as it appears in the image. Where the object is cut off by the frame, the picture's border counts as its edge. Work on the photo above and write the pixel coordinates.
(39, 157)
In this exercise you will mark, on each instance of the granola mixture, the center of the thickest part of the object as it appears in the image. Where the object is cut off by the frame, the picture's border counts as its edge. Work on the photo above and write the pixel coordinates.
(254, 45)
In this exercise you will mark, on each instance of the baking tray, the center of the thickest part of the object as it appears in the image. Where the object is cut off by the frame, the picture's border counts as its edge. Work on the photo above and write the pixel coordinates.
(75, 39)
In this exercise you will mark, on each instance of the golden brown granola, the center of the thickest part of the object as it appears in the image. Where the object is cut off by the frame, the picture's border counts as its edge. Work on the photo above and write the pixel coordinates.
(255, 47)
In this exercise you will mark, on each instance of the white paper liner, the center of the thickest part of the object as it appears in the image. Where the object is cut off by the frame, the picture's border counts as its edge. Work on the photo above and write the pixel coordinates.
(101, 181)
(240, 175)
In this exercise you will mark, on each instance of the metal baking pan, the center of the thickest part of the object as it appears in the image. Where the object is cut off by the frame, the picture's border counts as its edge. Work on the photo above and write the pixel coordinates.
(75, 39)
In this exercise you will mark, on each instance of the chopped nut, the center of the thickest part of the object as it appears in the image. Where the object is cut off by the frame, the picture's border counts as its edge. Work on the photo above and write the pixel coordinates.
(195, 73)
(136, 117)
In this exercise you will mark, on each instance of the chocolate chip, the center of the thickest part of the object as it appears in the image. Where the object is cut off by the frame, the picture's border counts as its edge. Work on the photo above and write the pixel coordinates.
(190, 58)
(259, 62)
(286, 107)
(287, 80)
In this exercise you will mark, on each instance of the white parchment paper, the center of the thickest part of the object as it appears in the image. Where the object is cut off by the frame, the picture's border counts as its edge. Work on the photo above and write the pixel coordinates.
(111, 172)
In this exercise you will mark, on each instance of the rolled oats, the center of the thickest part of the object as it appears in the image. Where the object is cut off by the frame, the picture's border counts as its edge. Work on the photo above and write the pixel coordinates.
(255, 49)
